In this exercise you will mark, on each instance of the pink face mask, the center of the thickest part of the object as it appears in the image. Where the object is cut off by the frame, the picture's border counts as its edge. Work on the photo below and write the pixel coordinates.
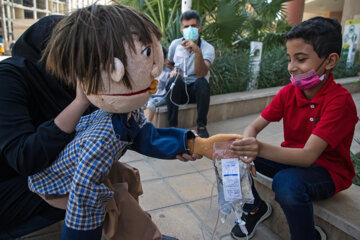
(307, 80)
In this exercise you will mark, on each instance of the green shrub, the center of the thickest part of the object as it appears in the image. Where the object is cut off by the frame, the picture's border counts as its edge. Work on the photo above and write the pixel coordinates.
(342, 70)
(230, 70)
(273, 68)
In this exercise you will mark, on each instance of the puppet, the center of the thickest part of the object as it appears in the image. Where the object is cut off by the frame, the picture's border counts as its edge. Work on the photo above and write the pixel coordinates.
(114, 53)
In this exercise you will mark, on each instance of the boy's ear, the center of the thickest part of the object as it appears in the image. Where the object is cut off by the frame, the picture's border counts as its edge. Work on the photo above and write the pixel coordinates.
(332, 60)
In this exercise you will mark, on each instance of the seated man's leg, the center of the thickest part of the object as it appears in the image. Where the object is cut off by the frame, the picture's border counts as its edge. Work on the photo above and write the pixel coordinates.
(175, 95)
(23, 212)
(259, 210)
(295, 188)
(201, 91)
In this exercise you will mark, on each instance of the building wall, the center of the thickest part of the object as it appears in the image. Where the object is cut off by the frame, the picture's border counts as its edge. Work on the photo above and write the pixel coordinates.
(351, 10)
(18, 15)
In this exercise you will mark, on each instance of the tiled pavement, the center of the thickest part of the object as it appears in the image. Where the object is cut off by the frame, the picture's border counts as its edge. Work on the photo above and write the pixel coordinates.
(182, 197)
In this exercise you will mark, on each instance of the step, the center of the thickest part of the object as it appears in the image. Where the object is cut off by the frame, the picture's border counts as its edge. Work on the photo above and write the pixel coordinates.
(337, 216)
(234, 105)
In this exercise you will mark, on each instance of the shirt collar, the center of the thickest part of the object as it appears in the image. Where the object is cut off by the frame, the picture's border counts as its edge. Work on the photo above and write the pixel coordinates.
(301, 100)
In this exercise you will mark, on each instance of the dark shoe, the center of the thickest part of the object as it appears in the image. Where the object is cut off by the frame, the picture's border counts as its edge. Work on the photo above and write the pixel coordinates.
(164, 237)
(320, 234)
(252, 220)
(202, 132)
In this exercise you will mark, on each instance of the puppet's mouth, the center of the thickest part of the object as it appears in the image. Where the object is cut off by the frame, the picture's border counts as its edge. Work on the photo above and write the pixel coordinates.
(152, 89)
(130, 94)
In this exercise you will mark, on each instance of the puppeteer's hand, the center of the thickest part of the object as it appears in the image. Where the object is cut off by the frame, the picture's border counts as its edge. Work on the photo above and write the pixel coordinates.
(80, 95)
(204, 146)
(190, 46)
(247, 149)
(186, 157)
(174, 73)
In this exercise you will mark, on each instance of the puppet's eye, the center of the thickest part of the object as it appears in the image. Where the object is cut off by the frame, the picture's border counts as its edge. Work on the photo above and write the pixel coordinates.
(146, 52)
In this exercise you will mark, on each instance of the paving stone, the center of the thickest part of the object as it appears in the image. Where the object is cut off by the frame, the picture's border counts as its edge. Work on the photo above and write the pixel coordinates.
(168, 168)
(202, 164)
(130, 156)
(208, 211)
(177, 222)
(157, 194)
(190, 186)
(146, 171)
(210, 175)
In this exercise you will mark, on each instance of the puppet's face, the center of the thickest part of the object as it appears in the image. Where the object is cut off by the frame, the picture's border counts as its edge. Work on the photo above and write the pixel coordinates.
(143, 66)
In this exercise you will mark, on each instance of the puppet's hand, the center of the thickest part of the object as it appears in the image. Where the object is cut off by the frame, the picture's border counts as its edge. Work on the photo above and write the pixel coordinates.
(204, 146)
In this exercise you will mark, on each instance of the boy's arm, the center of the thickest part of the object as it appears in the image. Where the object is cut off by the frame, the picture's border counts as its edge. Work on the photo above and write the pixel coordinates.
(249, 148)
(249, 140)
(255, 127)
(301, 157)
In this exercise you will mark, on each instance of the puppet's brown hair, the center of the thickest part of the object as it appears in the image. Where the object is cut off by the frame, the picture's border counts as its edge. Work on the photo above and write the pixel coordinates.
(90, 38)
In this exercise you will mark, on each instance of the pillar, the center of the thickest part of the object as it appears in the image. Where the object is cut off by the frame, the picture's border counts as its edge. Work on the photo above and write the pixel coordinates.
(295, 10)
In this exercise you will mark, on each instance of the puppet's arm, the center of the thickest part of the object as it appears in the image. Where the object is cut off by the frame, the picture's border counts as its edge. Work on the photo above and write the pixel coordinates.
(204, 146)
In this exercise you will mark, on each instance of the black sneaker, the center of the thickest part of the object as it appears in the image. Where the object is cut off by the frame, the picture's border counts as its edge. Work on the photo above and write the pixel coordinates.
(202, 132)
(320, 234)
(252, 220)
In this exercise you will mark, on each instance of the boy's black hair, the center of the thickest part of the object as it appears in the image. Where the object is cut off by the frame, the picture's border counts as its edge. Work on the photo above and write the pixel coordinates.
(324, 34)
(190, 14)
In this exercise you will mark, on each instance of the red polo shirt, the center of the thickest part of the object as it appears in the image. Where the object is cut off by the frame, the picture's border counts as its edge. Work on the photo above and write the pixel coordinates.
(331, 115)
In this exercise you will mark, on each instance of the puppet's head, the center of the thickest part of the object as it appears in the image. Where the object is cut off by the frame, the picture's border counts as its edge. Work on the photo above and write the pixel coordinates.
(113, 51)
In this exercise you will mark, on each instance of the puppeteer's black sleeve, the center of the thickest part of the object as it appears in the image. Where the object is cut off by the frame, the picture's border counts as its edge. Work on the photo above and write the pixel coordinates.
(26, 145)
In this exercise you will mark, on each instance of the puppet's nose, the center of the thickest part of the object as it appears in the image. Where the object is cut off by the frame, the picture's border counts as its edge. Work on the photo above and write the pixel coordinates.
(157, 68)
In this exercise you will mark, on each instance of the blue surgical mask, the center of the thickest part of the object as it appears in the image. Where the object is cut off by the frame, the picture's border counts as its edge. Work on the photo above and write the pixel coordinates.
(191, 33)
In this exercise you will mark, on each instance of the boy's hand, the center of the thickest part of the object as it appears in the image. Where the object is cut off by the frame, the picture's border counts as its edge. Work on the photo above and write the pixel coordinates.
(251, 169)
(247, 149)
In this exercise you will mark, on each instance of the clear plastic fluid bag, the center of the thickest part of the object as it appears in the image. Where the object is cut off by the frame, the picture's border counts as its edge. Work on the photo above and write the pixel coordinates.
(233, 183)
(181, 59)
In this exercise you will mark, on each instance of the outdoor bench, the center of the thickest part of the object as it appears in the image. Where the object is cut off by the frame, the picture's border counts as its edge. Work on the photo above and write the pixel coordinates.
(234, 105)
(337, 216)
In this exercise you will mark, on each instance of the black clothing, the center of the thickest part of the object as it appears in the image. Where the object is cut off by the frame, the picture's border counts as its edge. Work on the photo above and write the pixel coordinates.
(198, 92)
(30, 99)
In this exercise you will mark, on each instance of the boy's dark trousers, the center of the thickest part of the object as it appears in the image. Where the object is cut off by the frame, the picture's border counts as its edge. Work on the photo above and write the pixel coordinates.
(198, 92)
(295, 188)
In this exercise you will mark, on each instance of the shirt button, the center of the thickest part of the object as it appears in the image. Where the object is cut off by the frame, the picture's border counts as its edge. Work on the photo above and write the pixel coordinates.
(311, 119)
(312, 106)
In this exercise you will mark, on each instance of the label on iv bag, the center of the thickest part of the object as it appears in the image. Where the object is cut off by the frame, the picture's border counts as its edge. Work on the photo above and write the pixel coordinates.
(231, 179)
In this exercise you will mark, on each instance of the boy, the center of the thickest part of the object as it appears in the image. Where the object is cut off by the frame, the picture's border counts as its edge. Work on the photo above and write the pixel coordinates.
(159, 98)
(313, 162)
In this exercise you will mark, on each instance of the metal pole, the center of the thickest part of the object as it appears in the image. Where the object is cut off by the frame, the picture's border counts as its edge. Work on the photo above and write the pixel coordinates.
(185, 5)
